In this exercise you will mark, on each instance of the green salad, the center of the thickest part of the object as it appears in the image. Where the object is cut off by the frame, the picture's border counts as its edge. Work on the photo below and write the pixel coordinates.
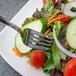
(62, 14)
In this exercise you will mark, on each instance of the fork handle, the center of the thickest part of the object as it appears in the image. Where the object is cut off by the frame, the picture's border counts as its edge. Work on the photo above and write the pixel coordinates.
(3, 20)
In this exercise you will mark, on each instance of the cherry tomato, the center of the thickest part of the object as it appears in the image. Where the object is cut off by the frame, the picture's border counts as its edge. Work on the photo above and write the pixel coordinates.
(65, 18)
(37, 58)
(44, 2)
(70, 68)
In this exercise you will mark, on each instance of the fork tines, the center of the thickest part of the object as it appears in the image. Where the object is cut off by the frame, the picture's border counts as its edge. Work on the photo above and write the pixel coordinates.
(33, 38)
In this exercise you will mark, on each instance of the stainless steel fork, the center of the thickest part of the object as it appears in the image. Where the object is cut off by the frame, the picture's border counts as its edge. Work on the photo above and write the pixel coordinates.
(32, 38)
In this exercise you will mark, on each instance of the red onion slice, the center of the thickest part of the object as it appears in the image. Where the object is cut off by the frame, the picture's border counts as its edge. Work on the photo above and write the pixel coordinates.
(61, 48)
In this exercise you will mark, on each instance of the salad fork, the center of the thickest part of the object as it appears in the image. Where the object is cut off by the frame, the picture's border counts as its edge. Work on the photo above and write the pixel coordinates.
(33, 38)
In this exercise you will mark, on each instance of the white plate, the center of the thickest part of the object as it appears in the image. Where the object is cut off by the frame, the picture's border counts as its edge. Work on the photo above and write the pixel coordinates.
(7, 42)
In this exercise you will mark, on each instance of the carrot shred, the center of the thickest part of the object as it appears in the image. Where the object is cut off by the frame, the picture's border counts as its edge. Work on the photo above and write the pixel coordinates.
(54, 15)
(66, 43)
(18, 53)
(47, 31)
(54, 20)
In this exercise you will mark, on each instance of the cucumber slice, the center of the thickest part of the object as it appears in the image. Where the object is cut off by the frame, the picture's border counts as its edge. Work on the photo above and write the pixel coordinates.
(71, 34)
(20, 45)
(38, 25)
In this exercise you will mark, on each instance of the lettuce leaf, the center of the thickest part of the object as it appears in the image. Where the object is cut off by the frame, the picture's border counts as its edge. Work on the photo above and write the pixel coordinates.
(49, 64)
(51, 10)
(57, 56)
(61, 6)
(49, 7)
(50, 34)
(48, 4)
(58, 25)
(52, 59)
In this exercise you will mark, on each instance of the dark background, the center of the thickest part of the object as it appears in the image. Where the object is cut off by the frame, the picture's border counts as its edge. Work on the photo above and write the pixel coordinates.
(8, 8)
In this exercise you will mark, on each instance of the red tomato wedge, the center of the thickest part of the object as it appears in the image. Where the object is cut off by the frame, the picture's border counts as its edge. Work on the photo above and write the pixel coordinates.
(70, 68)
(65, 19)
(37, 58)
(44, 2)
